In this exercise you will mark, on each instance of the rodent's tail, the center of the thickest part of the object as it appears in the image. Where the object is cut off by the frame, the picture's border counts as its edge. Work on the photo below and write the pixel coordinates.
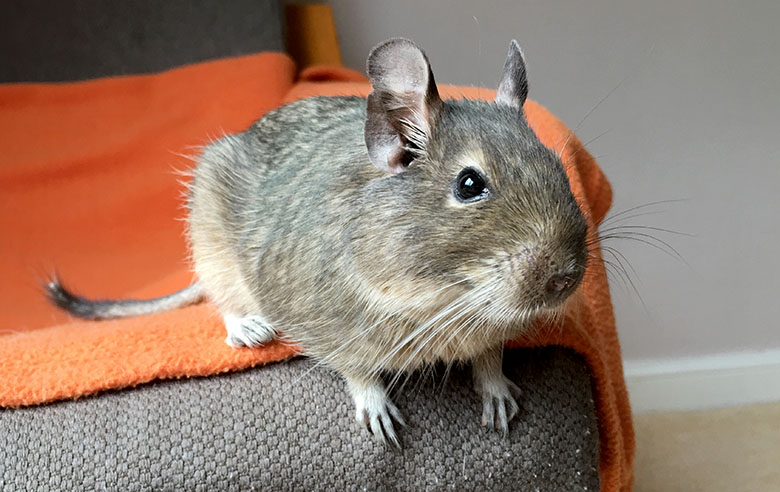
(124, 308)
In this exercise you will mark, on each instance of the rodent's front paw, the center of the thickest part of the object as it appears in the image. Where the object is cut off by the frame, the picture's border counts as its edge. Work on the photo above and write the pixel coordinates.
(498, 404)
(373, 410)
(248, 331)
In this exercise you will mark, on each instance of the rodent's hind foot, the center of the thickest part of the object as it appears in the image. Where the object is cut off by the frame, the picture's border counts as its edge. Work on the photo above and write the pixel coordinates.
(248, 331)
(499, 406)
(375, 411)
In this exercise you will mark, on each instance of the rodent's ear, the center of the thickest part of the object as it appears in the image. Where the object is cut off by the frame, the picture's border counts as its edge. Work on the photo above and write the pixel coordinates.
(513, 88)
(403, 107)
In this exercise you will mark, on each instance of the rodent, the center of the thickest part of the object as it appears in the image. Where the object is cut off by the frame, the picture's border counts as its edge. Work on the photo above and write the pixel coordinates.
(383, 233)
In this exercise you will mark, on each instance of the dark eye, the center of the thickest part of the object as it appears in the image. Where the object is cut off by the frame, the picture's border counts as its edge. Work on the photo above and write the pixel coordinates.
(470, 186)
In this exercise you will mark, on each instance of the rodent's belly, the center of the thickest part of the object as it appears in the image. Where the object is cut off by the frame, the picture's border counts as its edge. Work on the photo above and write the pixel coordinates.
(441, 347)
(400, 351)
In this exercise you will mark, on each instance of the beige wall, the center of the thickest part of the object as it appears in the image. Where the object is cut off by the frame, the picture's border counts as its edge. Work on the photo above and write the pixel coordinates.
(698, 117)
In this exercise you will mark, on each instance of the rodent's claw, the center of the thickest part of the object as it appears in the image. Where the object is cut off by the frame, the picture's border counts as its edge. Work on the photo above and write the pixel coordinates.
(395, 413)
(375, 411)
(382, 427)
(248, 331)
(499, 407)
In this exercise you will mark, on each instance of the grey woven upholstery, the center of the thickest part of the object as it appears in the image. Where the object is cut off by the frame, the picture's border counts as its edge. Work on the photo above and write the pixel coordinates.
(279, 428)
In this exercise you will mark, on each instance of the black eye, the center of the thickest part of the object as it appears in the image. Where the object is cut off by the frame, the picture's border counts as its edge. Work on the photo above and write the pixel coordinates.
(470, 186)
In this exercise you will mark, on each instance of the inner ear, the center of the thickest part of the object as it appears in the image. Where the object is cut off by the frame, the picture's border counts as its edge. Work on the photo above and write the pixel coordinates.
(513, 88)
(402, 108)
(411, 151)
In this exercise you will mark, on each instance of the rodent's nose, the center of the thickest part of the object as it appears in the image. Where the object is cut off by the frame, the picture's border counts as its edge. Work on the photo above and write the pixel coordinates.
(561, 284)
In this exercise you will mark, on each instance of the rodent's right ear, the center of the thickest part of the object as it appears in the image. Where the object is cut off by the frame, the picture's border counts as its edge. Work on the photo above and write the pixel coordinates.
(403, 106)
(513, 89)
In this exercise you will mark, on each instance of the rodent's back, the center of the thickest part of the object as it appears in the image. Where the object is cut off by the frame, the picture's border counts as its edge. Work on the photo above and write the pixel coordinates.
(259, 167)
(273, 203)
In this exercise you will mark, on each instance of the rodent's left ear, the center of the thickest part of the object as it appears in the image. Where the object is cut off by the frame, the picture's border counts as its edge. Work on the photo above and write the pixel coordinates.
(403, 106)
(513, 88)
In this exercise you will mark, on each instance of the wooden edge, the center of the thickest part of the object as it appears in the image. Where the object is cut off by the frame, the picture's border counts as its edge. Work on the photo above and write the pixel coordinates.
(310, 35)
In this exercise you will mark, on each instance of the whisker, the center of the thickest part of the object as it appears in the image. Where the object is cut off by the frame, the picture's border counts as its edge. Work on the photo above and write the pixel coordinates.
(480, 297)
(594, 108)
(614, 252)
(659, 229)
(645, 205)
(585, 145)
(647, 239)
(631, 282)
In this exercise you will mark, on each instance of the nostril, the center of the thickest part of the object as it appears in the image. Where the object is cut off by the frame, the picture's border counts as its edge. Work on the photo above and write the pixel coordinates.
(558, 284)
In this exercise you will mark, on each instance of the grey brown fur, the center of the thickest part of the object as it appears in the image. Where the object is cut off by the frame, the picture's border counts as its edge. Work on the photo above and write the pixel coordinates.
(336, 222)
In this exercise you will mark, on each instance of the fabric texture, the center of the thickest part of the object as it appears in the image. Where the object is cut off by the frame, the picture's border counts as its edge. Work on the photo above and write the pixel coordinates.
(285, 427)
(86, 186)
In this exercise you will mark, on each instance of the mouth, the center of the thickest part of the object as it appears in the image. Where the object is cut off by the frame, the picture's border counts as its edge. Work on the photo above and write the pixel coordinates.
(544, 298)
(518, 293)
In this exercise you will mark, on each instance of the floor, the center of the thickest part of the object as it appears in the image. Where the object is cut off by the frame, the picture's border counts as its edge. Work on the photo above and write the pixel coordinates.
(729, 450)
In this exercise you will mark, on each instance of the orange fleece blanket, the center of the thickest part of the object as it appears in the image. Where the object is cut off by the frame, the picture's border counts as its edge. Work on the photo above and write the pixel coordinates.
(88, 186)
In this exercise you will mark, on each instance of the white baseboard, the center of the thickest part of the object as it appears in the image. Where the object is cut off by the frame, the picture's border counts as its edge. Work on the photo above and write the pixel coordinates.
(703, 382)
